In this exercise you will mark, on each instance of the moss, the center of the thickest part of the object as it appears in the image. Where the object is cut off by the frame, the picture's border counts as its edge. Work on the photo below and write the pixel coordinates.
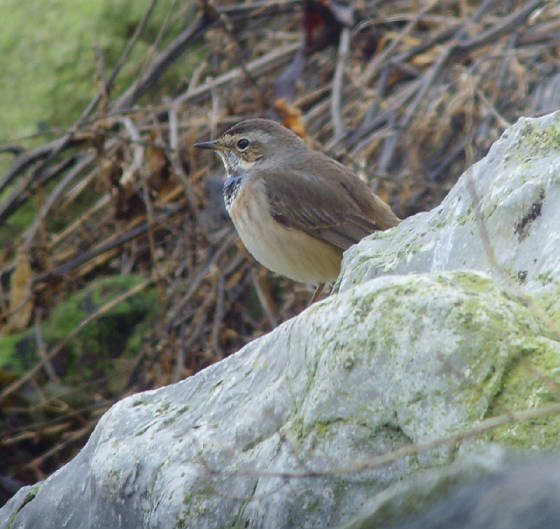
(545, 277)
(98, 343)
(114, 482)
(533, 142)
(550, 303)
(18, 352)
(142, 431)
(31, 494)
(471, 282)
(18, 221)
(531, 380)
(92, 352)
(540, 142)
(467, 218)
(48, 60)
(194, 507)
(313, 506)
(497, 335)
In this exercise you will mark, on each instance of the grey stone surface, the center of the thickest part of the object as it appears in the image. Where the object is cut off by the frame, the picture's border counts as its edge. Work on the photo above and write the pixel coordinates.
(496, 489)
(282, 434)
(518, 190)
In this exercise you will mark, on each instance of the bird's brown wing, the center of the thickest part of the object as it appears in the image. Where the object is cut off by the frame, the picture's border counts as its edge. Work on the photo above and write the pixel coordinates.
(340, 210)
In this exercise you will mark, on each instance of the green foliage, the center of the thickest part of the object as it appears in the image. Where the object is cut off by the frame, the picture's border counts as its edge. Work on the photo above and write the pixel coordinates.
(47, 56)
(93, 351)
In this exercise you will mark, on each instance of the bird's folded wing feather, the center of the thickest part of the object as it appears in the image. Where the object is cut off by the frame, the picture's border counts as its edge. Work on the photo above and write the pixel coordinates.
(327, 209)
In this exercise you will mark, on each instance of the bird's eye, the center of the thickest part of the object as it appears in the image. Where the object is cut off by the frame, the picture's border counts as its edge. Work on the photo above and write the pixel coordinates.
(242, 144)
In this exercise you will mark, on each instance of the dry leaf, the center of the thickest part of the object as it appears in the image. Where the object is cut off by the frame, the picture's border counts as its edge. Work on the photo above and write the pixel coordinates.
(291, 117)
(21, 299)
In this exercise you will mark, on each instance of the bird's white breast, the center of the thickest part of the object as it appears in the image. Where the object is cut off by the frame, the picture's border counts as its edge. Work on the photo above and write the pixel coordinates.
(289, 252)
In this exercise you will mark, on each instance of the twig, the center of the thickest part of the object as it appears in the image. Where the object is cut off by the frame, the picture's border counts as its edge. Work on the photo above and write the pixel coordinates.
(161, 63)
(65, 141)
(138, 168)
(256, 66)
(55, 196)
(382, 58)
(71, 437)
(336, 114)
(114, 243)
(502, 272)
(130, 45)
(353, 467)
(196, 326)
(502, 122)
(427, 82)
(265, 301)
(26, 160)
(218, 317)
(14, 149)
(101, 78)
(510, 22)
(230, 32)
(45, 153)
(201, 273)
(41, 349)
(98, 206)
(138, 149)
(173, 154)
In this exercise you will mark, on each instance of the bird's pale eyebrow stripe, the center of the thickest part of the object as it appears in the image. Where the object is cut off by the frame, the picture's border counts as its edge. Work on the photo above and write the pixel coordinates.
(264, 136)
(259, 135)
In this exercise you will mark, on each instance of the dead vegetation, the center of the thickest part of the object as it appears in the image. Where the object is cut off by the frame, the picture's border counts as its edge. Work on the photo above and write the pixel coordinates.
(407, 93)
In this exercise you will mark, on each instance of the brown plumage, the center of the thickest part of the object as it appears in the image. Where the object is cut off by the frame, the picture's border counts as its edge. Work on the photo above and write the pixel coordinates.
(295, 209)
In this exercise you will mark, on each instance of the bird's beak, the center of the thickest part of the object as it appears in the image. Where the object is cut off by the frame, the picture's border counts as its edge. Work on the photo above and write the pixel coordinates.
(212, 145)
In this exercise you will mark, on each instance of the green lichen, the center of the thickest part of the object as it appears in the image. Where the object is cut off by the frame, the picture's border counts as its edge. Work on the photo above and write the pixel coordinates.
(31, 494)
(196, 505)
(163, 408)
(17, 352)
(466, 218)
(532, 380)
(533, 143)
(494, 334)
(540, 142)
(498, 334)
(546, 277)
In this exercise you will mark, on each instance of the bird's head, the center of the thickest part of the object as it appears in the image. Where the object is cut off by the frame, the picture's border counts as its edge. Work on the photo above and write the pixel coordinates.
(254, 142)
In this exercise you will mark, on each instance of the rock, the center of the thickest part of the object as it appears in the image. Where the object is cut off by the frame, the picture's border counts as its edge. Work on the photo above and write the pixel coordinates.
(424, 339)
(517, 206)
(513, 494)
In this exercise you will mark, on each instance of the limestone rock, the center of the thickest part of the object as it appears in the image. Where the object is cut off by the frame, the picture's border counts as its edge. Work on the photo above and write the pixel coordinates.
(511, 198)
(514, 493)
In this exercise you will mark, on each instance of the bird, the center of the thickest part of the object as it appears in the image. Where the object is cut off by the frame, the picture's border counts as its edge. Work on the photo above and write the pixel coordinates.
(295, 209)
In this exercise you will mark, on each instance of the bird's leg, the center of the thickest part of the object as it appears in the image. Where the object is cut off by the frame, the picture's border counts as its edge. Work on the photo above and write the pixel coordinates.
(316, 294)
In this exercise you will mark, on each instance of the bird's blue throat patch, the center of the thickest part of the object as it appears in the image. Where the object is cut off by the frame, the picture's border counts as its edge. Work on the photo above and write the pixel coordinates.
(232, 185)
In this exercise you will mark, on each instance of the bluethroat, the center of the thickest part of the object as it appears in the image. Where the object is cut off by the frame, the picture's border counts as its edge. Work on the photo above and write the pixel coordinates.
(295, 209)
